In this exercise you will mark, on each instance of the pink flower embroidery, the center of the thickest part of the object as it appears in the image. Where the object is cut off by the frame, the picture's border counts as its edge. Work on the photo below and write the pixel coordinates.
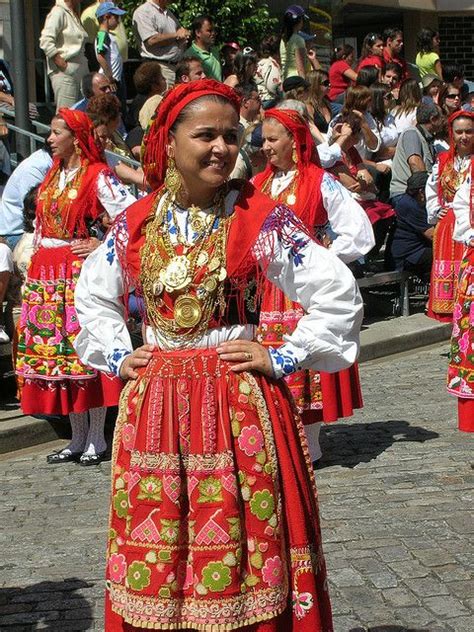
(457, 313)
(302, 602)
(117, 567)
(128, 437)
(464, 342)
(72, 322)
(272, 571)
(251, 440)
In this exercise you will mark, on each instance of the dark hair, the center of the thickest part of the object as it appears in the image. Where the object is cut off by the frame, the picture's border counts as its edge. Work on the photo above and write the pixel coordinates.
(146, 76)
(86, 84)
(29, 209)
(184, 67)
(270, 45)
(242, 63)
(198, 23)
(369, 41)
(394, 68)
(452, 71)
(367, 75)
(352, 120)
(443, 93)
(378, 108)
(355, 97)
(288, 24)
(426, 111)
(409, 97)
(342, 52)
(193, 105)
(391, 33)
(103, 109)
(424, 40)
(245, 90)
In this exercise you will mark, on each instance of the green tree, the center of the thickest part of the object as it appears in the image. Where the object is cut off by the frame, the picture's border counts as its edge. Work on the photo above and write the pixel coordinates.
(243, 21)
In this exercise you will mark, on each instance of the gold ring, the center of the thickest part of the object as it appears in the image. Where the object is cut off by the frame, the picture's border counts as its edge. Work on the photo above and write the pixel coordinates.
(248, 356)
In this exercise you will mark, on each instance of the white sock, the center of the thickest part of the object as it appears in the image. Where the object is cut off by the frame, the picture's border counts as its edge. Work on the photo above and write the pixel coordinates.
(312, 434)
(95, 442)
(79, 426)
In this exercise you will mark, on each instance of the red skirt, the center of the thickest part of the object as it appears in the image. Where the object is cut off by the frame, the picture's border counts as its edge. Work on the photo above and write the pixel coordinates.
(447, 255)
(377, 210)
(214, 517)
(318, 396)
(52, 380)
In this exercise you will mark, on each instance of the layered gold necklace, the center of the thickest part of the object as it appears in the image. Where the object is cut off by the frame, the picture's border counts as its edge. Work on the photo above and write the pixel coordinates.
(183, 285)
(287, 196)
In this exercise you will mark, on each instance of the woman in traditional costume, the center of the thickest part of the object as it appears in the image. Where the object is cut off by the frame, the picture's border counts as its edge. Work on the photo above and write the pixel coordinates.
(214, 519)
(447, 176)
(293, 177)
(461, 364)
(77, 190)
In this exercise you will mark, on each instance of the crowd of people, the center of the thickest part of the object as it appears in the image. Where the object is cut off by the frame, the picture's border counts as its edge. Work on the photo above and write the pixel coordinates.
(268, 182)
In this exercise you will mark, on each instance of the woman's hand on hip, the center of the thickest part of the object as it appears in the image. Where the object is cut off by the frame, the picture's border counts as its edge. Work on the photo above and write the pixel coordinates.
(139, 358)
(246, 356)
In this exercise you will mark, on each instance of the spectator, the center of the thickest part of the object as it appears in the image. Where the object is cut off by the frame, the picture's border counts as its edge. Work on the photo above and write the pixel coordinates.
(409, 99)
(454, 74)
(293, 53)
(412, 239)
(91, 25)
(367, 76)
(245, 67)
(381, 103)
(432, 84)
(204, 36)
(107, 50)
(392, 77)
(251, 159)
(6, 91)
(393, 46)
(148, 81)
(449, 99)
(63, 40)
(160, 35)
(415, 150)
(92, 85)
(268, 74)
(319, 106)
(340, 72)
(296, 88)
(228, 51)
(249, 106)
(189, 69)
(427, 58)
(372, 53)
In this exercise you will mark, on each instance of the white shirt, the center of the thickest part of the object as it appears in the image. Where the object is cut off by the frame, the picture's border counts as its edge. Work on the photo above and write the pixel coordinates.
(325, 339)
(433, 207)
(463, 231)
(404, 121)
(355, 236)
(361, 147)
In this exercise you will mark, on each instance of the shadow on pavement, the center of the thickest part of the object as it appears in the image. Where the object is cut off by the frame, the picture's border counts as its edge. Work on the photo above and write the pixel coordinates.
(52, 605)
(389, 628)
(351, 444)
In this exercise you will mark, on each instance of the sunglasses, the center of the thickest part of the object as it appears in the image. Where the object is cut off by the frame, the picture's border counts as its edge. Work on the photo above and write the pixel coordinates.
(453, 96)
(325, 83)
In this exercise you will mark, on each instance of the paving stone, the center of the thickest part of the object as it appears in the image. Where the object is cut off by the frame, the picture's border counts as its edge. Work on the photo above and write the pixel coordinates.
(461, 624)
(426, 586)
(400, 597)
(346, 577)
(445, 606)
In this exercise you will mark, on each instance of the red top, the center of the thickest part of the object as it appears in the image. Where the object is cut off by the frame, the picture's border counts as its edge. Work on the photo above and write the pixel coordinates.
(371, 60)
(339, 83)
(396, 60)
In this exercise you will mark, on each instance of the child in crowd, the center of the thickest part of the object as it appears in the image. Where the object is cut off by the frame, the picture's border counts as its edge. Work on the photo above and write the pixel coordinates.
(106, 47)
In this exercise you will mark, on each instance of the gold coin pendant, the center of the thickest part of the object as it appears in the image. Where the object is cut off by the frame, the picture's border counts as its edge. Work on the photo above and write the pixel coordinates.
(187, 311)
(72, 194)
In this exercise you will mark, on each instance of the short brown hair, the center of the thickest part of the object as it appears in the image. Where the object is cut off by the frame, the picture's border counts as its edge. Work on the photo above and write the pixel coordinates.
(146, 76)
(103, 109)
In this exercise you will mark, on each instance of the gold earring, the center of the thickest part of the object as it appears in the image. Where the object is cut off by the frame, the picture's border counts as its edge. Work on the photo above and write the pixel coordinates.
(172, 177)
(294, 156)
(77, 149)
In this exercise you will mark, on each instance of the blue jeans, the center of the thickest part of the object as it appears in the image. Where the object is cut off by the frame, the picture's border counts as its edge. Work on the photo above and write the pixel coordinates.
(12, 240)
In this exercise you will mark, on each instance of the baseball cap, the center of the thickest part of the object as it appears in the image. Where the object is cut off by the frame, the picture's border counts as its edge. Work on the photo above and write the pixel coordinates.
(296, 11)
(232, 45)
(292, 83)
(108, 7)
(417, 181)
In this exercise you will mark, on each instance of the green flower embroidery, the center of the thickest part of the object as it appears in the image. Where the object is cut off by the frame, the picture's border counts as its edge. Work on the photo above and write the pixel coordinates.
(138, 575)
(216, 576)
(169, 531)
(210, 490)
(262, 504)
(121, 503)
(150, 488)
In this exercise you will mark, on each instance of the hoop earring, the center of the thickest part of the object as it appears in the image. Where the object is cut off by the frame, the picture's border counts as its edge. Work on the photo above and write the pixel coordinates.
(172, 177)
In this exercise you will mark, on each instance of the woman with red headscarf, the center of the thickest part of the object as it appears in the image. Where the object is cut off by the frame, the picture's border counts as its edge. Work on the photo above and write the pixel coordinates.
(77, 190)
(450, 171)
(214, 518)
(461, 364)
(294, 177)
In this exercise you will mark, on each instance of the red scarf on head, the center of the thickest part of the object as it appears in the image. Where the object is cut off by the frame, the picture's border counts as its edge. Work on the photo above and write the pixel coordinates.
(66, 217)
(308, 206)
(446, 158)
(154, 158)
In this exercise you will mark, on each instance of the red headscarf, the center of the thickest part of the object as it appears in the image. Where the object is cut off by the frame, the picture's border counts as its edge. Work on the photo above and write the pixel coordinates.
(154, 157)
(446, 159)
(308, 205)
(82, 128)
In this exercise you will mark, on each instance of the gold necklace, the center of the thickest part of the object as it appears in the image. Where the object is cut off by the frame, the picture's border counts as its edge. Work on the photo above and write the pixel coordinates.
(287, 196)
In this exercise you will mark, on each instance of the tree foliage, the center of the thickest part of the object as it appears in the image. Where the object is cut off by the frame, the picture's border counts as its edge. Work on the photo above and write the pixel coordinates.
(242, 21)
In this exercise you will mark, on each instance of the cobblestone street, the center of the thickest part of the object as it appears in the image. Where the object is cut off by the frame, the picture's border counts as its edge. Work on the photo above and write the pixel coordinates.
(396, 492)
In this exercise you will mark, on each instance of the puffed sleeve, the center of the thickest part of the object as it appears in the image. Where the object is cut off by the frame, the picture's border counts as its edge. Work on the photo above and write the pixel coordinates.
(103, 341)
(463, 231)
(431, 192)
(113, 194)
(355, 236)
(327, 337)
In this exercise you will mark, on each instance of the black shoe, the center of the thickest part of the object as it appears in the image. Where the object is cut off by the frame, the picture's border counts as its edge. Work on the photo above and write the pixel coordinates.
(91, 459)
(63, 457)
